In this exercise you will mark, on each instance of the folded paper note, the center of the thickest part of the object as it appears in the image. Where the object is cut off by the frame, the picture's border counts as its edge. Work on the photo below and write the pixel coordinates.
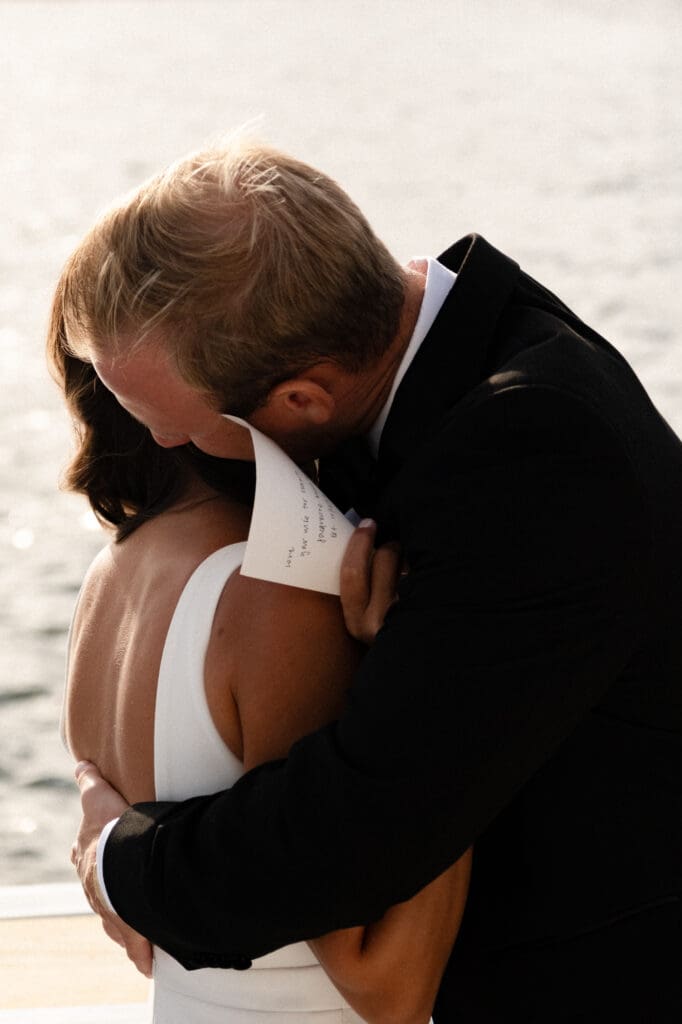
(297, 535)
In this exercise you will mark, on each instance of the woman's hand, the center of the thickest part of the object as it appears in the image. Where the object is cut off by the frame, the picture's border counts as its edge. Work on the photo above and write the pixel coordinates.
(369, 582)
(100, 802)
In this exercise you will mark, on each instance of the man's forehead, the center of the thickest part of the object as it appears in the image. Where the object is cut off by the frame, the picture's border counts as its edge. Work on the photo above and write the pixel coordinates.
(131, 369)
(152, 390)
(113, 374)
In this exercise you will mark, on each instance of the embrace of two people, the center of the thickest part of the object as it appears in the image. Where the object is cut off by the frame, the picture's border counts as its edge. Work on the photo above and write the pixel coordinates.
(468, 809)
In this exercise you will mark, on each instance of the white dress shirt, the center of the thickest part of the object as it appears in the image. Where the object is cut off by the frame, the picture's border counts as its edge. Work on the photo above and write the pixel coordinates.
(439, 281)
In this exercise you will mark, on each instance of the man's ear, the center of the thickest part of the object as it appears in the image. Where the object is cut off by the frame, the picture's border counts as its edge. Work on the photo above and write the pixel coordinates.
(302, 401)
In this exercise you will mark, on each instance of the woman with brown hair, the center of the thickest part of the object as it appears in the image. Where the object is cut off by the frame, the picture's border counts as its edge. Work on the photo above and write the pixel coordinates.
(183, 674)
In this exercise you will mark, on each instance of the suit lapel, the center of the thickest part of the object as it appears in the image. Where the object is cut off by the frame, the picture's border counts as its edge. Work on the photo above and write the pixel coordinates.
(449, 364)
(451, 358)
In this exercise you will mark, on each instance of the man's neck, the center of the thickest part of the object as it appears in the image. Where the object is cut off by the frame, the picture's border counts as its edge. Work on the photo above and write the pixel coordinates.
(369, 390)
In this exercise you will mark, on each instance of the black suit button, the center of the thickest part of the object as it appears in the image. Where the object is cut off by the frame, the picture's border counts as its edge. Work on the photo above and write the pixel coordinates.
(241, 963)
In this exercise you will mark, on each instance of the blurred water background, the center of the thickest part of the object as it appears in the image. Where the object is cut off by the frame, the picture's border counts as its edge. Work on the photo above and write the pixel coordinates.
(554, 129)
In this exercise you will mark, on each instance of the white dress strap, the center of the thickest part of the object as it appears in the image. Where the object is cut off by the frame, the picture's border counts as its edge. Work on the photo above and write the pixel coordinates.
(190, 756)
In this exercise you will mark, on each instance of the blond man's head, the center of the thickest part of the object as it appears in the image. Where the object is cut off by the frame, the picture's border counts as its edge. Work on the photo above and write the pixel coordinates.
(247, 264)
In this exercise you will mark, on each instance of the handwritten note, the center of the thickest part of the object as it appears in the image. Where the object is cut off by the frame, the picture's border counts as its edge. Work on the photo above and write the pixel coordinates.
(297, 535)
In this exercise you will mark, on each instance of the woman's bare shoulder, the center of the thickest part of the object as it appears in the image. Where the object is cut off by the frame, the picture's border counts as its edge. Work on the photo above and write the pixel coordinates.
(280, 655)
(148, 569)
(262, 615)
(94, 580)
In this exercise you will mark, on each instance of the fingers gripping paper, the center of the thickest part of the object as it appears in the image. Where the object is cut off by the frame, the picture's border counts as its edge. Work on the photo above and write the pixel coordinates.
(297, 535)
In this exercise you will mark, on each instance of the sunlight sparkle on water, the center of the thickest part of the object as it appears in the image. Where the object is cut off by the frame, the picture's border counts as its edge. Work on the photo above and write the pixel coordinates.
(88, 520)
(38, 419)
(9, 336)
(23, 539)
(22, 826)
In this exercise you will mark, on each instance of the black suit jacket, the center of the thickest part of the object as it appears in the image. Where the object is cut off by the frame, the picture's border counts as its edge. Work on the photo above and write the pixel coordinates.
(524, 693)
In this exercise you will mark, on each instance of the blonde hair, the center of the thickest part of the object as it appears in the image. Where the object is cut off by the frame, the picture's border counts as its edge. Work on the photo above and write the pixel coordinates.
(247, 265)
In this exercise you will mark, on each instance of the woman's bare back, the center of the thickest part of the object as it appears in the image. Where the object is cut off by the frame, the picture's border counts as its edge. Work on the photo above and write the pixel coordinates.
(124, 611)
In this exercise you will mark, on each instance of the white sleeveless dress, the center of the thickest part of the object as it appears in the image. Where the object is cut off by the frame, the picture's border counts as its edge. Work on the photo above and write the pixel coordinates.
(190, 759)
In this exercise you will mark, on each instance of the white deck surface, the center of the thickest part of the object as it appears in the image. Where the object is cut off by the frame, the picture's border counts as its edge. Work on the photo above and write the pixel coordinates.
(58, 966)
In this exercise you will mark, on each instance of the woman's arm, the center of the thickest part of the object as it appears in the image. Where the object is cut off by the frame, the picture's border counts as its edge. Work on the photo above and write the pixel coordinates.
(390, 971)
(289, 661)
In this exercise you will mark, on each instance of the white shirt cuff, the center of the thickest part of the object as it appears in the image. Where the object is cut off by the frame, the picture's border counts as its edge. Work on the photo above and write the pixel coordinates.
(101, 842)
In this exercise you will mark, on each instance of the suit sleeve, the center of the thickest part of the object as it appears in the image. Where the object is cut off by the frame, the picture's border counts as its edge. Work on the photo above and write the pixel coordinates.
(527, 539)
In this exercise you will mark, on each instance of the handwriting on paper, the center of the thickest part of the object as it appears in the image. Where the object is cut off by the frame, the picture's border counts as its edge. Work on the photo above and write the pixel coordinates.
(297, 535)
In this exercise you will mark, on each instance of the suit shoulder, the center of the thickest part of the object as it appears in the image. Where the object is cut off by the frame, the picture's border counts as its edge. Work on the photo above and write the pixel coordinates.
(526, 463)
(511, 416)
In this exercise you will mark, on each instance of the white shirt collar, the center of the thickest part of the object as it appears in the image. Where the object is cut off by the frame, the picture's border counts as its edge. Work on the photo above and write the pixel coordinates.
(439, 281)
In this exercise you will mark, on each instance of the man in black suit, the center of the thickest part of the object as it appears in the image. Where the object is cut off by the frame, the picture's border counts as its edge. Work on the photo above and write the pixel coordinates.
(523, 694)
